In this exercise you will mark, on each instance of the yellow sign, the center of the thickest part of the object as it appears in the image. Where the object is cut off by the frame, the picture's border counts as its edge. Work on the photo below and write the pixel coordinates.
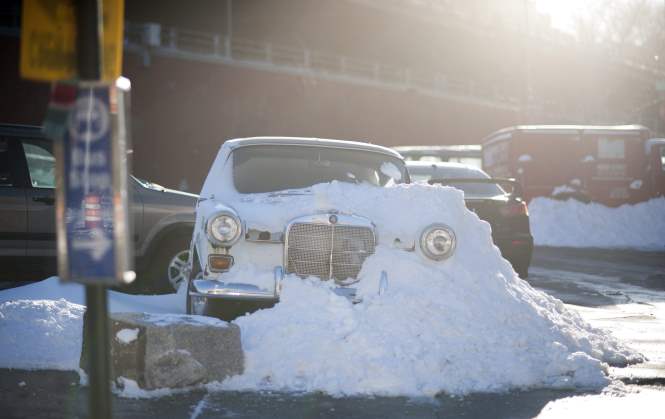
(48, 39)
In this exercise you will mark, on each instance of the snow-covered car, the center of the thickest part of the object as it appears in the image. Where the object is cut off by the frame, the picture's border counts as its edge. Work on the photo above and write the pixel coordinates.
(241, 226)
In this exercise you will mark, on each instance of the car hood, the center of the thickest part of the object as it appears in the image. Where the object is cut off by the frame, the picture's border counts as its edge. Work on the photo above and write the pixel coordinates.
(387, 208)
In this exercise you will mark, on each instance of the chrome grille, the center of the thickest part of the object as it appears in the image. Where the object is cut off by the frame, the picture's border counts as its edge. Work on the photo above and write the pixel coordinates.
(328, 250)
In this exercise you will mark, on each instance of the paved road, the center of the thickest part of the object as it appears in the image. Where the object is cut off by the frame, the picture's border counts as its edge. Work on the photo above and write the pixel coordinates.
(618, 290)
(623, 291)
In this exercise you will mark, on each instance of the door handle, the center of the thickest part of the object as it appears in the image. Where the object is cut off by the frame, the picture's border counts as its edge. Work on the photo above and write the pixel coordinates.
(44, 199)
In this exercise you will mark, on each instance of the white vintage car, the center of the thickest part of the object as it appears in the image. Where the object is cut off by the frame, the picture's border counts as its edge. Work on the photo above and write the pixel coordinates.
(251, 220)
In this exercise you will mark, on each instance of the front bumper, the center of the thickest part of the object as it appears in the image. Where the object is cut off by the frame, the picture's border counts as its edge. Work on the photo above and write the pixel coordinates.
(211, 297)
(227, 301)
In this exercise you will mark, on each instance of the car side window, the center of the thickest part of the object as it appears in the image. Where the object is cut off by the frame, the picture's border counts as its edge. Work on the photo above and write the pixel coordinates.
(6, 177)
(41, 163)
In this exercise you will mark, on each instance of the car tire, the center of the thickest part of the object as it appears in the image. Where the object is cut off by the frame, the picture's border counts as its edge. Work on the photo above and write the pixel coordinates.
(169, 267)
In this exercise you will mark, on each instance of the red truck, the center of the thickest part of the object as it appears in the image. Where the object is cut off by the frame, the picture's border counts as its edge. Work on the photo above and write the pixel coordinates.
(612, 165)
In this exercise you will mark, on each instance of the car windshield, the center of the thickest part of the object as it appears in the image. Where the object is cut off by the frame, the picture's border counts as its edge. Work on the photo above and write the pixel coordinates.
(270, 168)
(471, 190)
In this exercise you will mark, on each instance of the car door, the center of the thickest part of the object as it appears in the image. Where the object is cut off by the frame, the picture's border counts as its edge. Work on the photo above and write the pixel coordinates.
(13, 205)
(40, 197)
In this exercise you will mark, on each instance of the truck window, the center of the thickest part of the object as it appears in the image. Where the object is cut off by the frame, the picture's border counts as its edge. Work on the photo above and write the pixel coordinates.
(611, 148)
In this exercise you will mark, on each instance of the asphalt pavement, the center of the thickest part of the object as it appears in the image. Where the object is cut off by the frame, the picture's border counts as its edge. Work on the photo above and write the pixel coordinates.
(619, 290)
(623, 291)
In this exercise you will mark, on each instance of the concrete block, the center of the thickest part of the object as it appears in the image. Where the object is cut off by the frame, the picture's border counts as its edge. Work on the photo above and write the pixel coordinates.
(169, 350)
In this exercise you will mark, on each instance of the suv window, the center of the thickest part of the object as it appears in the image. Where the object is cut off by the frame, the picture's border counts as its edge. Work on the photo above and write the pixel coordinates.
(41, 163)
(6, 177)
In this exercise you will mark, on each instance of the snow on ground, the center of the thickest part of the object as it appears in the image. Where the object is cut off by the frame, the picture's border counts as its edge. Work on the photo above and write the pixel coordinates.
(466, 324)
(574, 224)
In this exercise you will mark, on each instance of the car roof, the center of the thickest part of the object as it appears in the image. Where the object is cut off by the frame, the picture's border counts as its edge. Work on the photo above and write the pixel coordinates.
(445, 170)
(316, 142)
(19, 129)
(459, 150)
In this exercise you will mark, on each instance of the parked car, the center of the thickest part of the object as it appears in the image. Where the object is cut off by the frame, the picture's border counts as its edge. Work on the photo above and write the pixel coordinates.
(230, 231)
(497, 201)
(162, 219)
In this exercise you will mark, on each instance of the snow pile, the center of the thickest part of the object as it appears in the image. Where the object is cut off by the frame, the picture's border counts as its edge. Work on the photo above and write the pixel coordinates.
(40, 334)
(41, 324)
(462, 325)
(574, 224)
(431, 331)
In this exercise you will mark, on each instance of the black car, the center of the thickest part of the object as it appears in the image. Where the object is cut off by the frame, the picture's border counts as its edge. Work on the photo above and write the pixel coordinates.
(162, 219)
(497, 201)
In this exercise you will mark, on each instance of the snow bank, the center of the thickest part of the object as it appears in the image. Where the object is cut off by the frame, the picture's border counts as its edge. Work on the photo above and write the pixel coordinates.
(40, 334)
(574, 224)
(431, 331)
(41, 324)
(462, 325)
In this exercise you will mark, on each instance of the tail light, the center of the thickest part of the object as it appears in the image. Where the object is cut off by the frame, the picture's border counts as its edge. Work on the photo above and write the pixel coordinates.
(514, 208)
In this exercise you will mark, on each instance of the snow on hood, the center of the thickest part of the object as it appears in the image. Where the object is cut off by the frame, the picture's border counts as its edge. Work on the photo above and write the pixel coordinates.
(575, 224)
(390, 208)
(462, 325)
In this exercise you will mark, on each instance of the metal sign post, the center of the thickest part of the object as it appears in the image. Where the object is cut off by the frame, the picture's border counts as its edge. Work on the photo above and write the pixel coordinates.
(81, 41)
(91, 195)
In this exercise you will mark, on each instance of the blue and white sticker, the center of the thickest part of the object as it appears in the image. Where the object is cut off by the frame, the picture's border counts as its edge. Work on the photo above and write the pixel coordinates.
(88, 173)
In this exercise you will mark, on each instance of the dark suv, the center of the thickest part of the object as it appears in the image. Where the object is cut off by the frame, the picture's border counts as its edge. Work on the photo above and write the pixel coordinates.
(162, 219)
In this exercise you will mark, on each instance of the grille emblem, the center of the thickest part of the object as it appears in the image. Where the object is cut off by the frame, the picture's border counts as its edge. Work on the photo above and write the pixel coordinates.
(333, 219)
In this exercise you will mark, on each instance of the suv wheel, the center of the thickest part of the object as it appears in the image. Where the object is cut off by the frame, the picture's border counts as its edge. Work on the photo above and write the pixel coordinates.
(169, 268)
(178, 269)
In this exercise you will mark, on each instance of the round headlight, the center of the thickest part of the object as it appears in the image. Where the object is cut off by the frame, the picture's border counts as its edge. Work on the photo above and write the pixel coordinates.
(224, 229)
(438, 241)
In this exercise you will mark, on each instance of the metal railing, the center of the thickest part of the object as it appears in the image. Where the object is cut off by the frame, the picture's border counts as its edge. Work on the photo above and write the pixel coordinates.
(152, 38)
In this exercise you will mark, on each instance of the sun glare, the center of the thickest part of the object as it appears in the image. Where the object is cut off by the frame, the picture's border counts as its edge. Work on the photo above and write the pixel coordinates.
(563, 12)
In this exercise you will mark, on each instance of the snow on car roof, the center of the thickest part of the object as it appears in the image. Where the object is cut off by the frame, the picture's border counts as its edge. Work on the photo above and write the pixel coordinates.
(322, 142)
(445, 170)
